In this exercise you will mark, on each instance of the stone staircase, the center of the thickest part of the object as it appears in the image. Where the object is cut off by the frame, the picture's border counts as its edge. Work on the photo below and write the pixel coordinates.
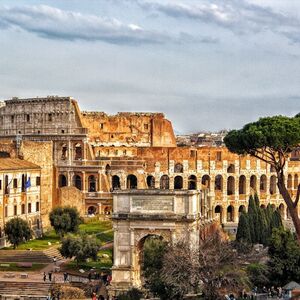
(24, 256)
(53, 252)
(24, 290)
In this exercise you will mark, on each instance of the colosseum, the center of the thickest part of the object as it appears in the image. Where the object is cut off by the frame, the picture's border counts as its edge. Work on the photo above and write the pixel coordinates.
(85, 156)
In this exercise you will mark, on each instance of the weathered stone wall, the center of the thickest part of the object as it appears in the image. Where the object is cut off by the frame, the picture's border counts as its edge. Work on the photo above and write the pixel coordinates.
(129, 129)
(40, 153)
(71, 196)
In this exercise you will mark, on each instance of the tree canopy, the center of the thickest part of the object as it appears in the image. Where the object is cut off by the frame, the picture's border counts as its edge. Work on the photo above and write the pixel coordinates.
(17, 231)
(64, 219)
(81, 247)
(271, 140)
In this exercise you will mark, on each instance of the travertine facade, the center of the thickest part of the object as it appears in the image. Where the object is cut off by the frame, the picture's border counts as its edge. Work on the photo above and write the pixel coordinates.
(98, 153)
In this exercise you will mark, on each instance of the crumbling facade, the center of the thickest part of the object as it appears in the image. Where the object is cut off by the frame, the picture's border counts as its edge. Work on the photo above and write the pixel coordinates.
(96, 153)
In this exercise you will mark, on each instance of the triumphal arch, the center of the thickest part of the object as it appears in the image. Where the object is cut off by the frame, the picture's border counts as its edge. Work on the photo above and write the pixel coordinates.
(137, 214)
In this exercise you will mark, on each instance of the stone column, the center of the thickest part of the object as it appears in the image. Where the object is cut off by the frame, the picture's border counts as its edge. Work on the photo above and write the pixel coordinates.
(99, 182)
(83, 182)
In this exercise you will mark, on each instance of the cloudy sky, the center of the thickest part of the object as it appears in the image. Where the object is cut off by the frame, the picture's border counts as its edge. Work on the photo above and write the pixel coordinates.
(207, 65)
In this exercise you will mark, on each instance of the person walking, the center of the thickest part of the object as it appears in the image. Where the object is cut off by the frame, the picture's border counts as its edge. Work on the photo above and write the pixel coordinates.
(50, 276)
(44, 276)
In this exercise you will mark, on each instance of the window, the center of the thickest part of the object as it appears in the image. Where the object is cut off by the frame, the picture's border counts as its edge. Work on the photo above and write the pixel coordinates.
(23, 209)
(12, 119)
(101, 125)
(0, 184)
(28, 118)
(62, 131)
(38, 181)
(146, 126)
(37, 206)
(50, 117)
(192, 153)
(15, 210)
(112, 136)
(15, 184)
(5, 212)
(219, 156)
(29, 208)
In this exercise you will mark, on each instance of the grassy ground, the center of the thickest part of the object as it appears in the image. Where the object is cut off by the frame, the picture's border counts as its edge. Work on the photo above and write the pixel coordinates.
(90, 227)
(100, 265)
(13, 267)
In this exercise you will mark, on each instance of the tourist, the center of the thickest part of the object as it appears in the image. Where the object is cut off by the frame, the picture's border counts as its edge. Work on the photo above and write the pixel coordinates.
(44, 276)
(90, 276)
(94, 296)
(66, 276)
(50, 276)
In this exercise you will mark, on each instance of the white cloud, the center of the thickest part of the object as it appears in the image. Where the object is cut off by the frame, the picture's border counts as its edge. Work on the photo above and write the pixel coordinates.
(54, 23)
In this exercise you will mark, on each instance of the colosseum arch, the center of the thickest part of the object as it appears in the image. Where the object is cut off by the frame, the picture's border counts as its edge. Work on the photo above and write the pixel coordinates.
(219, 183)
(230, 185)
(164, 182)
(115, 182)
(62, 180)
(178, 183)
(253, 183)
(192, 182)
(150, 182)
(131, 182)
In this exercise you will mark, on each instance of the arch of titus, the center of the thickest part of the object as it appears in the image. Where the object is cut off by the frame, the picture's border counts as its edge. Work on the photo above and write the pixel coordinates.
(170, 214)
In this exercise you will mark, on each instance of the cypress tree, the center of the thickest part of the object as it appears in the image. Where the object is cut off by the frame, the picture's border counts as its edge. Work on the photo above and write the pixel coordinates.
(263, 227)
(243, 230)
(256, 199)
(252, 218)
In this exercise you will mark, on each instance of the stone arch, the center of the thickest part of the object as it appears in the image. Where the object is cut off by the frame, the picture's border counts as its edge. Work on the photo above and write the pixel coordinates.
(206, 181)
(150, 182)
(131, 182)
(77, 182)
(242, 208)
(219, 211)
(78, 151)
(178, 183)
(290, 182)
(230, 185)
(281, 210)
(164, 182)
(242, 185)
(92, 210)
(253, 183)
(231, 168)
(192, 182)
(230, 213)
(92, 183)
(116, 182)
(107, 169)
(178, 168)
(296, 181)
(219, 183)
(64, 152)
(62, 180)
(263, 184)
(273, 184)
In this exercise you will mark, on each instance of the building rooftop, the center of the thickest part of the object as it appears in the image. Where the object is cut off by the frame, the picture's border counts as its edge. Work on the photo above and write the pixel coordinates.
(16, 164)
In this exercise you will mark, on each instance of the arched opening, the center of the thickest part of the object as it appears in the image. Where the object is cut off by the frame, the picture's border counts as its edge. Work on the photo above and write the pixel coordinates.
(230, 213)
(242, 185)
(231, 168)
(131, 182)
(219, 183)
(150, 182)
(296, 182)
(273, 185)
(253, 183)
(64, 152)
(206, 181)
(290, 182)
(107, 210)
(78, 152)
(192, 182)
(92, 210)
(107, 169)
(92, 183)
(62, 180)
(77, 182)
(242, 208)
(281, 210)
(150, 252)
(263, 206)
(178, 183)
(164, 182)
(219, 212)
(178, 168)
(116, 182)
(263, 184)
(230, 185)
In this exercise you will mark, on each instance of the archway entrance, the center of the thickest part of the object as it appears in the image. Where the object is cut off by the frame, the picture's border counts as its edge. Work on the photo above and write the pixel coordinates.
(92, 210)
